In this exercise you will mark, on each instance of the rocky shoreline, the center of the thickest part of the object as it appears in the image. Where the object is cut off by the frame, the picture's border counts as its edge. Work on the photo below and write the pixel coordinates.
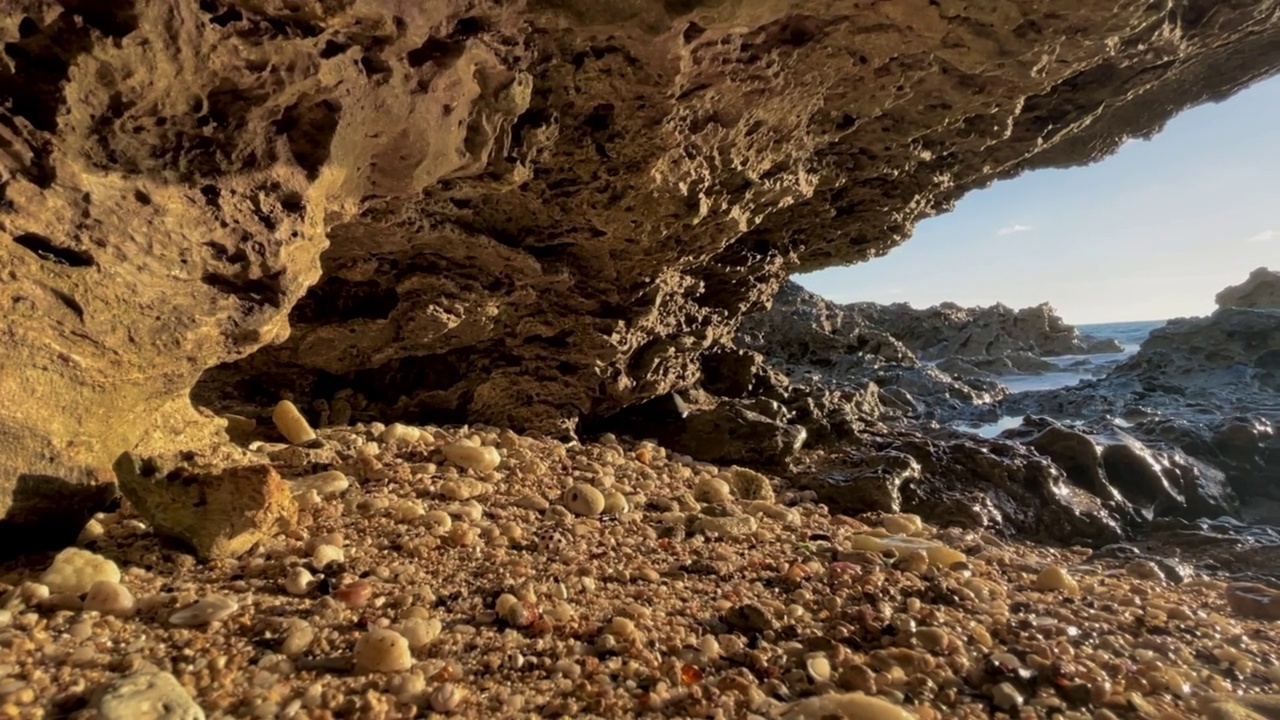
(422, 578)
(804, 535)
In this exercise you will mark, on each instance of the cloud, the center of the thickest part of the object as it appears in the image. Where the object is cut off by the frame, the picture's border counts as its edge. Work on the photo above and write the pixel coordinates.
(1011, 229)
(1264, 236)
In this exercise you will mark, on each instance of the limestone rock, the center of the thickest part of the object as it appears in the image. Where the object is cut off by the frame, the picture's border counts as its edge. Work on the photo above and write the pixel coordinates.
(219, 514)
(1260, 291)
(74, 571)
(149, 695)
(509, 214)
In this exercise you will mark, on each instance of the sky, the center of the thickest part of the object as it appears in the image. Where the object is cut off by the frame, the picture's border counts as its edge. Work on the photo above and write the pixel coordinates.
(1150, 233)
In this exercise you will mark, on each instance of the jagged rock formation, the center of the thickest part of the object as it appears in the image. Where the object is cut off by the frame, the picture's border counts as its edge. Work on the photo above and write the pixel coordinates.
(1208, 386)
(807, 336)
(1260, 291)
(951, 331)
(516, 213)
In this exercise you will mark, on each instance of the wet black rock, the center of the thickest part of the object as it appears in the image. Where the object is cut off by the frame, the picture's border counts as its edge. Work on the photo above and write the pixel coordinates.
(1133, 479)
(959, 480)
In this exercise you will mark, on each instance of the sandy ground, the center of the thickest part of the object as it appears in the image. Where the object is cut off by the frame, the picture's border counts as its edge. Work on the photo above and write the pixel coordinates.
(608, 580)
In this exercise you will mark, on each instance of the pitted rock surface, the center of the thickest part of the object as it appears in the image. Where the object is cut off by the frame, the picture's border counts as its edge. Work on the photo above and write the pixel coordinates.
(517, 214)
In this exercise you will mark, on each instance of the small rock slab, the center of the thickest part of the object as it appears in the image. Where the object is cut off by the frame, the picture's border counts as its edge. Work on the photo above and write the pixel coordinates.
(1254, 601)
(219, 514)
(148, 695)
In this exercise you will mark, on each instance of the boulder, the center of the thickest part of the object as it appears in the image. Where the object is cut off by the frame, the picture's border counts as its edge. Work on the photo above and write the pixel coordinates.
(986, 485)
(1132, 478)
(519, 215)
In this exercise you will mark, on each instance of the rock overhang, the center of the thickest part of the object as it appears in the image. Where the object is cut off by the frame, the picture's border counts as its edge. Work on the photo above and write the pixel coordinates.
(513, 214)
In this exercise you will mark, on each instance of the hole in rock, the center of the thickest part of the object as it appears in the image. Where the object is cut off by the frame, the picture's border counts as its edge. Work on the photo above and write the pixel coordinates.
(434, 49)
(471, 25)
(49, 251)
(309, 129)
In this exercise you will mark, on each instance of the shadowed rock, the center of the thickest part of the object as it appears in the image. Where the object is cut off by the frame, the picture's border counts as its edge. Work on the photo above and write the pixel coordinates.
(218, 514)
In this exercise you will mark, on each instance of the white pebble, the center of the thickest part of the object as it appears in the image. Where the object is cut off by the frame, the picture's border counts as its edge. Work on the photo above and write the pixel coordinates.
(325, 554)
(463, 489)
(446, 697)
(904, 524)
(712, 490)
(299, 637)
(291, 424)
(482, 459)
(615, 503)
(438, 522)
(298, 581)
(210, 609)
(74, 570)
(110, 598)
(330, 482)
(382, 651)
(398, 433)
(420, 631)
(583, 499)
(145, 694)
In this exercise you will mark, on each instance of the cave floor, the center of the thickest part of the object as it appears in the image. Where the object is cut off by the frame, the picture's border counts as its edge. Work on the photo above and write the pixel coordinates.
(675, 588)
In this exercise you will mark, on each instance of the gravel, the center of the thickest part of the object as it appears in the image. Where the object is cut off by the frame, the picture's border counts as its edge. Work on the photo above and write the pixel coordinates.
(610, 580)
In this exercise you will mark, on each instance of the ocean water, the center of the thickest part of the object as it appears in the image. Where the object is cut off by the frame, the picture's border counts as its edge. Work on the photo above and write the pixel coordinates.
(1073, 368)
(1128, 334)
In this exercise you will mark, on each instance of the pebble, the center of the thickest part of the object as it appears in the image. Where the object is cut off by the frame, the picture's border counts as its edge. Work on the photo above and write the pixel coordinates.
(712, 490)
(938, 554)
(447, 697)
(354, 595)
(1253, 600)
(818, 667)
(1055, 578)
(438, 522)
(933, 639)
(726, 527)
(615, 503)
(419, 632)
(208, 610)
(1144, 570)
(852, 706)
(463, 489)
(324, 554)
(74, 571)
(904, 524)
(298, 638)
(324, 484)
(750, 485)
(291, 424)
(110, 598)
(147, 695)
(1006, 696)
(584, 500)
(749, 618)
(399, 433)
(481, 459)
(382, 651)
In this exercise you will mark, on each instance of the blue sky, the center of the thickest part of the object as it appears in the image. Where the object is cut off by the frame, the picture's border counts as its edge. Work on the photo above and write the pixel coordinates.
(1152, 232)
